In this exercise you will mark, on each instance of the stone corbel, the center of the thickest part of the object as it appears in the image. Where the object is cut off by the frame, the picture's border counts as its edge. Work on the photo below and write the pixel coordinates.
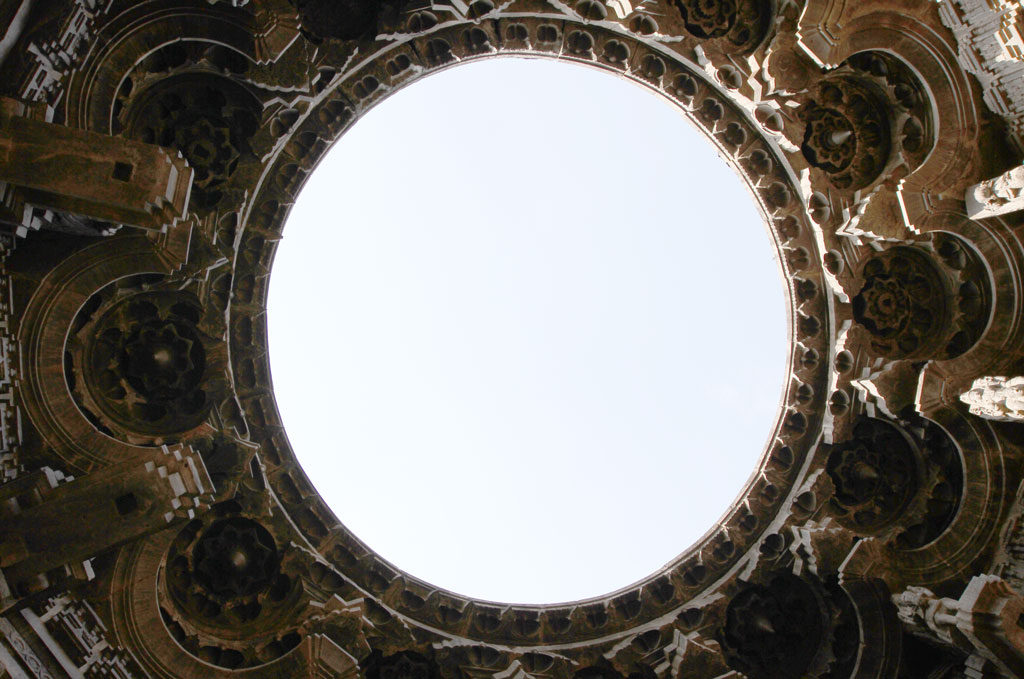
(343, 622)
(984, 622)
(277, 29)
(989, 616)
(928, 616)
(996, 398)
(997, 196)
(326, 659)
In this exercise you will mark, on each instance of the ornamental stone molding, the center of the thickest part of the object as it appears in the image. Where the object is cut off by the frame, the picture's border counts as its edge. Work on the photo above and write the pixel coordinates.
(879, 535)
(996, 398)
(991, 41)
(984, 621)
(998, 195)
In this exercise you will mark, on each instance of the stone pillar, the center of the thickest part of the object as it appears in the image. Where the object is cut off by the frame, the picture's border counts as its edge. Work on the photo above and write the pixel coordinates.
(996, 398)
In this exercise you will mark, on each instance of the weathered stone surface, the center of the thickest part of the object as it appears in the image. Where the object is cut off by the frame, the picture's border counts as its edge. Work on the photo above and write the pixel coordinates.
(90, 174)
(997, 196)
(997, 398)
(190, 543)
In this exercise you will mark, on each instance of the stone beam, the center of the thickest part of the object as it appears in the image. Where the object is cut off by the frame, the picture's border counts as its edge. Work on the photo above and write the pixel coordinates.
(990, 617)
(89, 174)
(49, 522)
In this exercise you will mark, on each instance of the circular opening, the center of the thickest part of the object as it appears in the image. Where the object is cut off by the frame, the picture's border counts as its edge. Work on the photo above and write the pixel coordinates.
(527, 331)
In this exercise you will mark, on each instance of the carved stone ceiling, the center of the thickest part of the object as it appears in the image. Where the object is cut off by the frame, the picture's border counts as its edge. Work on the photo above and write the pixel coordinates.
(155, 519)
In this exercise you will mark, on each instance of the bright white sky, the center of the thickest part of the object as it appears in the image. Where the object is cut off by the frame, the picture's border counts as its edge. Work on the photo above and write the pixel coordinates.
(527, 331)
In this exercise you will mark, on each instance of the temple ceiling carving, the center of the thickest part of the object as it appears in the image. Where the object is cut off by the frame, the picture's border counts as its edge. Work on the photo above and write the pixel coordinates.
(155, 521)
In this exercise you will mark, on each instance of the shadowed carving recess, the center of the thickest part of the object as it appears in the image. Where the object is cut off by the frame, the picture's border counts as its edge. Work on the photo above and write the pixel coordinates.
(917, 305)
(741, 24)
(139, 365)
(208, 118)
(847, 132)
(235, 558)
(343, 19)
(224, 577)
(908, 103)
(942, 488)
(972, 300)
(876, 475)
(779, 630)
(404, 665)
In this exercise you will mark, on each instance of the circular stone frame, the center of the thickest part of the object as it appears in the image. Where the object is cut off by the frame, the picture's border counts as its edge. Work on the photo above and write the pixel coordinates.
(305, 137)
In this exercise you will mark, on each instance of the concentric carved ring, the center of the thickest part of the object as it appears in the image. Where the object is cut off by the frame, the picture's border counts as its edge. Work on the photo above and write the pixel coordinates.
(307, 134)
(208, 118)
(778, 630)
(254, 93)
(741, 23)
(139, 364)
(876, 474)
(847, 132)
(235, 558)
(147, 340)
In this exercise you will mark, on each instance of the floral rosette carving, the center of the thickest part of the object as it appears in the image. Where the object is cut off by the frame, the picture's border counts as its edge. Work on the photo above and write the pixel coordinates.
(140, 366)
(886, 305)
(163, 359)
(209, 120)
(742, 24)
(235, 558)
(781, 630)
(875, 474)
(908, 103)
(226, 579)
(846, 132)
(903, 303)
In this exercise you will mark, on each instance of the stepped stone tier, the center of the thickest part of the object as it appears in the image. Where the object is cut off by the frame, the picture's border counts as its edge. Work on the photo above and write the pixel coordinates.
(154, 521)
